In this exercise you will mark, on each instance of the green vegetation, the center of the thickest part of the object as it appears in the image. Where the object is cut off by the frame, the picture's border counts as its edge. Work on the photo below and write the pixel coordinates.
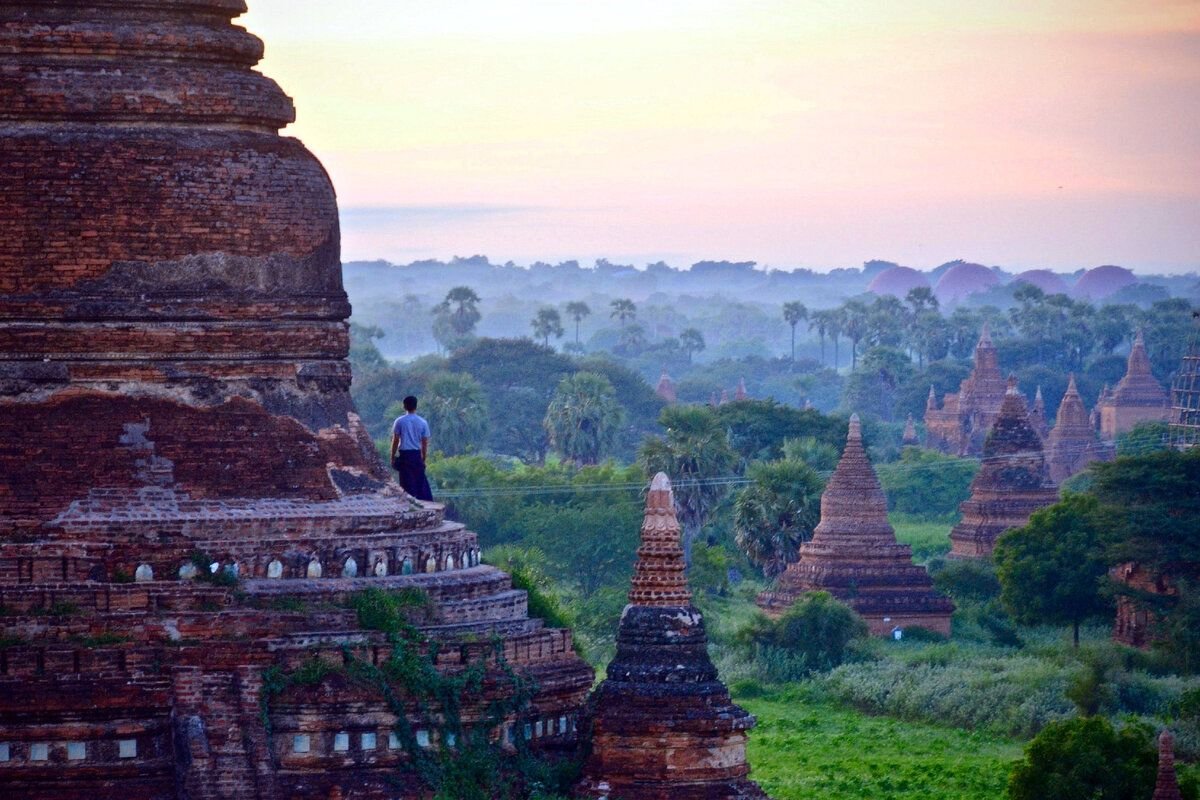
(807, 747)
(1086, 759)
(814, 635)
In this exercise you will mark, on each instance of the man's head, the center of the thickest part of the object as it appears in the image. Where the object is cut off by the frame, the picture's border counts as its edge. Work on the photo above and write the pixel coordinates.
(410, 404)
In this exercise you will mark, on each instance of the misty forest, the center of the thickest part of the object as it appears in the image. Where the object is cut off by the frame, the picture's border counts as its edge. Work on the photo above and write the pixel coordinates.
(554, 391)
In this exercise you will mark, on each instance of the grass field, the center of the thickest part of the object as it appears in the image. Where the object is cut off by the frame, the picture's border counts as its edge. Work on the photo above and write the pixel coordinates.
(928, 539)
(808, 749)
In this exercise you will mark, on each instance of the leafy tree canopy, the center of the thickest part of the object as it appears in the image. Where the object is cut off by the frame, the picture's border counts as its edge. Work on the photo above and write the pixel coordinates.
(1086, 759)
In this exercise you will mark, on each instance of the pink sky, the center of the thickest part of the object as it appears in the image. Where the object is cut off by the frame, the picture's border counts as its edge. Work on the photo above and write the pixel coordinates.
(1057, 134)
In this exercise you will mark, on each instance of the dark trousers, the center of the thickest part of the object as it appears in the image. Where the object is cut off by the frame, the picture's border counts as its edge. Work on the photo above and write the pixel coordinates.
(411, 469)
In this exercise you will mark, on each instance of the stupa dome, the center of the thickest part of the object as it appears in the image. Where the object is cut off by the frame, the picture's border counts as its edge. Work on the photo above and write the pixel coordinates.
(1049, 282)
(1100, 282)
(964, 279)
(898, 281)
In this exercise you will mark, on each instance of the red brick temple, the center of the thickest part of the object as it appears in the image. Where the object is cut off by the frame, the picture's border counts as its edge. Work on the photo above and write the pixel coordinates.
(666, 388)
(1072, 443)
(662, 724)
(1138, 397)
(961, 424)
(855, 557)
(1011, 484)
(189, 497)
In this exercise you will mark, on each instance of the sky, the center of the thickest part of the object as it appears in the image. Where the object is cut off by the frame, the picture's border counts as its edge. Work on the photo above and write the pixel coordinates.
(795, 133)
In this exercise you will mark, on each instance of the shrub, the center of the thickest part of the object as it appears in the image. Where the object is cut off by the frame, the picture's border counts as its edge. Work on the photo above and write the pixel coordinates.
(1086, 759)
(815, 634)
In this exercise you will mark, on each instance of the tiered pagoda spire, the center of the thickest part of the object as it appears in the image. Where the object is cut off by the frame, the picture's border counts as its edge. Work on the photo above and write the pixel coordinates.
(1166, 785)
(910, 438)
(1012, 482)
(1138, 397)
(854, 555)
(961, 424)
(663, 725)
(1037, 414)
(1072, 443)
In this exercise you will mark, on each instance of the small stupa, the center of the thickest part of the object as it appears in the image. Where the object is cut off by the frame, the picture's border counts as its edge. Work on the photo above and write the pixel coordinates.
(663, 725)
(855, 557)
(1166, 786)
(666, 388)
(1139, 397)
(1012, 482)
(740, 393)
(910, 438)
(1072, 443)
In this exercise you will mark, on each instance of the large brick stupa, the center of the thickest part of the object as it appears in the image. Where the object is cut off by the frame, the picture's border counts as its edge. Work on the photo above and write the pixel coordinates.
(1011, 484)
(855, 557)
(188, 499)
(663, 726)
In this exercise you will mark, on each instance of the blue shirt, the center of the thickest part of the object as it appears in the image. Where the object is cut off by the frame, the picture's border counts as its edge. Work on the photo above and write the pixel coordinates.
(411, 429)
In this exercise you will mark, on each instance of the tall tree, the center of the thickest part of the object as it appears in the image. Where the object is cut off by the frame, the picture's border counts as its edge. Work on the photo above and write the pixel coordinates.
(584, 418)
(855, 316)
(1050, 570)
(696, 455)
(793, 313)
(776, 513)
(457, 412)
(547, 323)
(623, 310)
(921, 298)
(819, 321)
(692, 341)
(577, 310)
(455, 317)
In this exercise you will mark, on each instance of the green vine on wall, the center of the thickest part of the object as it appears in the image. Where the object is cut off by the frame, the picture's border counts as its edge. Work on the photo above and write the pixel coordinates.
(474, 767)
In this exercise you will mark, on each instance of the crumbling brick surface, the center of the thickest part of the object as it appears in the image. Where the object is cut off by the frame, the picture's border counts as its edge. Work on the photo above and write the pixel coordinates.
(188, 498)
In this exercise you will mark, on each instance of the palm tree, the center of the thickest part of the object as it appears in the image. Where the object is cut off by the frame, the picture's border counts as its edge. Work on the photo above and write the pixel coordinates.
(547, 323)
(921, 298)
(577, 311)
(692, 341)
(584, 417)
(792, 314)
(823, 322)
(694, 452)
(457, 411)
(465, 313)
(855, 319)
(623, 309)
(775, 514)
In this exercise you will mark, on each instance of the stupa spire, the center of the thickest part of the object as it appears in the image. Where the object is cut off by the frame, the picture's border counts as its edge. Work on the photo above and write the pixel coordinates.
(855, 556)
(1166, 786)
(910, 432)
(1011, 483)
(931, 401)
(659, 577)
(663, 724)
(1139, 361)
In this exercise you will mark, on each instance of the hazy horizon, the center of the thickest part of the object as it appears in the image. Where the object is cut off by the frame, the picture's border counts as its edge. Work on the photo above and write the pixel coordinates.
(1058, 135)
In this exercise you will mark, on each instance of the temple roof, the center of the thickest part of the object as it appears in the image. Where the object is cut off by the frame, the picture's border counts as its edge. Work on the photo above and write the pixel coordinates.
(659, 577)
(1139, 386)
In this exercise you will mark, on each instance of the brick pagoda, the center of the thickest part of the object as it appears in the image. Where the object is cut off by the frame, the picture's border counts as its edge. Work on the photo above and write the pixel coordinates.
(1166, 785)
(1072, 443)
(961, 424)
(663, 726)
(189, 497)
(1037, 415)
(1138, 397)
(1012, 482)
(854, 556)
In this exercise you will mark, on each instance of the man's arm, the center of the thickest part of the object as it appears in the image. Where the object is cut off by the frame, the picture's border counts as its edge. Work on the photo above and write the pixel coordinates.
(395, 444)
(424, 448)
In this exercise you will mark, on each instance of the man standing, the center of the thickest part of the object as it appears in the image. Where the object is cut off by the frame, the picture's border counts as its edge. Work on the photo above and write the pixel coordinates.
(410, 446)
